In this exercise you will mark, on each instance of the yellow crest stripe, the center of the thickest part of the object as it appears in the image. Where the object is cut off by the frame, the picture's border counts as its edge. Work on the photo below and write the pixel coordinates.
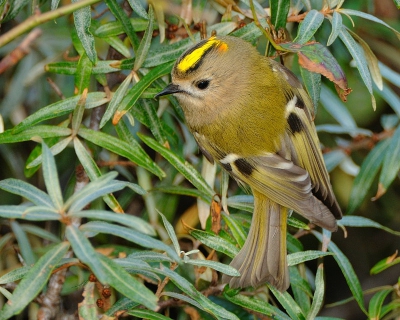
(191, 59)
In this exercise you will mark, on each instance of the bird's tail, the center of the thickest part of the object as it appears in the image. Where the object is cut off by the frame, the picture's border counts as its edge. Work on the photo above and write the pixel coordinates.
(263, 256)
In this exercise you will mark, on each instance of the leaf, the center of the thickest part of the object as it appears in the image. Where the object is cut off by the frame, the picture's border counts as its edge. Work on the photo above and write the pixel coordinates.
(136, 91)
(93, 172)
(312, 82)
(37, 131)
(369, 17)
(236, 228)
(317, 58)
(181, 191)
(34, 281)
(144, 46)
(124, 219)
(279, 13)
(336, 27)
(318, 298)
(359, 58)
(29, 213)
(27, 191)
(391, 164)
(347, 270)
(116, 99)
(82, 20)
(107, 271)
(138, 8)
(70, 67)
(121, 16)
(214, 242)
(24, 245)
(58, 109)
(309, 26)
(83, 73)
(147, 314)
(87, 308)
(50, 176)
(183, 298)
(376, 302)
(181, 165)
(55, 149)
(15, 275)
(303, 256)
(128, 234)
(42, 233)
(333, 158)
(288, 303)
(122, 148)
(369, 168)
(385, 264)
(226, 269)
(155, 124)
(171, 233)
(256, 305)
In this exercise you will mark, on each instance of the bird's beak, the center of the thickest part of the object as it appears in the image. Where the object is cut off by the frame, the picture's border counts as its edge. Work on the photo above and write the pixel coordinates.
(169, 89)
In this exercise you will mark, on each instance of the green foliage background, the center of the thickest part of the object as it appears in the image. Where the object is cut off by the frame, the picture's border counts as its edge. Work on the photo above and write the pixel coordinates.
(98, 177)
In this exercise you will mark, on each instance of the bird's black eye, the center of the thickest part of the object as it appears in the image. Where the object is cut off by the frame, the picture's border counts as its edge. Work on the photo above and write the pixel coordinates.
(202, 84)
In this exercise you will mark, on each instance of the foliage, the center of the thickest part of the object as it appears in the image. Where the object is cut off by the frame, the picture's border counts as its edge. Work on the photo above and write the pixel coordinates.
(113, 240)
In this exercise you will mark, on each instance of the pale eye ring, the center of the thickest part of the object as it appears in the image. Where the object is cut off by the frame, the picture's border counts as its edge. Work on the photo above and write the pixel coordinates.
(203, 84)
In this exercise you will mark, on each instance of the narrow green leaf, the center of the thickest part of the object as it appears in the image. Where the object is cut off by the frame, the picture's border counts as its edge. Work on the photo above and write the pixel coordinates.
(190, 290)
(120, 147)
(83, 73)
(59, 109)
(333, 158)
(23, 243)
(376, 302)
(121, 16)
(355, 221)
(369, 168)
(144, 46)
(347, 270)
(29, 213)
(15, 275)
(372, 60)
(391, 163)
(128, 234)
(107, 271)
(142, 157)
(335, 128)
(40, 232)
(181, 191)
(82, 20)
(369, 17)
(70, 67)
(93, 172)
(37, 131)
(385, 264)
(138, 8)
(50, 176)
(312, 82)
(309, 26)
(279, 13)
(121, 304)
(5, 293)
(391, 98)
(336, 27)
(114, 28)
(397, 3)
(236, 228)
(226, 269)
(171, 233)
(124, 219)
(337, 109)
(389, 74)
(116, 100)
(55, 149)
(147, 314)
(87, 308)
(27, 191)
(155, 123)
(359, 58)
(34, 281)
(183, 298)
(257, 306)
(117, 44)
(318, 298)
(181, 165)
(149, 256)
(136, 91)
(300, 257)
(215, 242)
(288, 303)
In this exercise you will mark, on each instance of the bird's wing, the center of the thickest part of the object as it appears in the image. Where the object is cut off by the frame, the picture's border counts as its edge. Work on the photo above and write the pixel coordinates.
(300, 142)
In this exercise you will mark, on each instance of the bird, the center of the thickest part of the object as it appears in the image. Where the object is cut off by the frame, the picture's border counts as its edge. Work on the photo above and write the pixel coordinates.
(252, 116)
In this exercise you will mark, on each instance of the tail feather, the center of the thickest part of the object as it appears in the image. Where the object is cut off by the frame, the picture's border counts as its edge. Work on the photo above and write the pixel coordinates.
(263, 256)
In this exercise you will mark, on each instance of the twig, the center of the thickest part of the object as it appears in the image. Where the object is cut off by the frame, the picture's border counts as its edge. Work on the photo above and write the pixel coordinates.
(38, 19)
(19, 52)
